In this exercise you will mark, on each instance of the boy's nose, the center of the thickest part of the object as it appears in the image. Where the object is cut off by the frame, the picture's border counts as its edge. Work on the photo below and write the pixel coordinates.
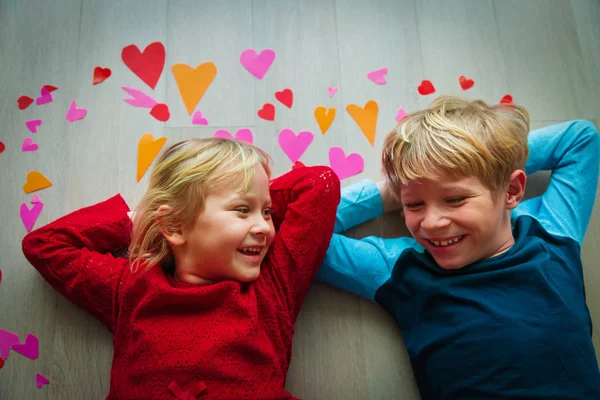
(434, 219)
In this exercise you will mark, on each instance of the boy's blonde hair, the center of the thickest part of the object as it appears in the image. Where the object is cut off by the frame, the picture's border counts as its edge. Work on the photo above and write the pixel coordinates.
(465, 138)
(183, 176)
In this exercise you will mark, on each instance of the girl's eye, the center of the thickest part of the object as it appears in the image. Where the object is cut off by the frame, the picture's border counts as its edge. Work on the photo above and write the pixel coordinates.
(456, 200)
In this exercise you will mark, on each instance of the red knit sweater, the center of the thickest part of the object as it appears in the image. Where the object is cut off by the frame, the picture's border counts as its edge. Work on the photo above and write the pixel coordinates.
(228, 340)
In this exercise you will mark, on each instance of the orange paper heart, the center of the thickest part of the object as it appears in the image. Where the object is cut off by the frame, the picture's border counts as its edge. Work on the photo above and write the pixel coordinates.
(36, 181)
(148, 149)
(324, 117)
(365, 118)
(193, 82)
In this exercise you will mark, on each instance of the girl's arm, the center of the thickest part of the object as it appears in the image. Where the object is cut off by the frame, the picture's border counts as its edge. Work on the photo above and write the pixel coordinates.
(73, 255)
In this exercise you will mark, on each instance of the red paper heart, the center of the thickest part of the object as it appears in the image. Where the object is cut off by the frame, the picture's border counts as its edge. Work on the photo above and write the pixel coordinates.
(267, 112)
(286, 97)
(50, 88)
(24, 102)
(507, 99)
(2, 148)
(160, 112)
(465, 83)
(1, 363)
(426, 87)
(100, 75)
(147, 65)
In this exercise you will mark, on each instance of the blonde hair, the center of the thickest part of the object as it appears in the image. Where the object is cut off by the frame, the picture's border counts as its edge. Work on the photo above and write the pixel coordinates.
(464, 138)
(183, 176)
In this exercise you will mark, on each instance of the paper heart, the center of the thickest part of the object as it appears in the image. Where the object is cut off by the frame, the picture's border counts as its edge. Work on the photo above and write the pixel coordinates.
(1, 363)
(242, 134)
(33, 124)
(100, 75)
(28, 145)
(45, 97)
(74, 113)
(506, 99)
(40, 380)
(345, 166)
(324, 117)
(426, 87)
(193, 82)
(139, 98)
(161, 112)
(50, 88)
(7, 339)
(400, 115)
(257, 64)
(29, 348)
(294, 145)
(378, 76)
(465, 83)
(198, 119)
(365, 118)
(286, 97)
(24, 101)
(2, 147)
(267, 112)
(148, 149)
(30, 216)
(332, 90)
(36, 181)
(146, 65)
(35, 199)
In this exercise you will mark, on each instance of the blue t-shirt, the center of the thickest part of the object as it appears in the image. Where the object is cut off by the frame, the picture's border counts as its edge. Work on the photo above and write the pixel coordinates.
(515, 326)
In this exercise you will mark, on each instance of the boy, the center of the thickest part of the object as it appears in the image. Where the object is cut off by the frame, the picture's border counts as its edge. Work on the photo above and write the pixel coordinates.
(489, 290)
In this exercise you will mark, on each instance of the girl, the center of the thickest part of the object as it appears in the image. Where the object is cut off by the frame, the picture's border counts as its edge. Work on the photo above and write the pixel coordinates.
(205, 305)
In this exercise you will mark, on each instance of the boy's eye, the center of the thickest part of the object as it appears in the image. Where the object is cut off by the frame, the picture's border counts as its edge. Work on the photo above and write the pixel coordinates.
(267, 212)
(412, 206)
(456, 200)
(243, 210)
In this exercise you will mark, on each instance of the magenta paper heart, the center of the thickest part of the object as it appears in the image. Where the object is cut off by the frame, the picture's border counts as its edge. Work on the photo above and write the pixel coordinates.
(294, 146)
(30, 216)
(378, 76)
(257, 64)
(40, 380)
(30, 348)
(7, 340)
(332, 90)
(35, 199)
(345, 166)
(45, 97)
(28, 145)
(198, 119)
(33, 124)
(74, 113)
(242, 134)
(401, 114)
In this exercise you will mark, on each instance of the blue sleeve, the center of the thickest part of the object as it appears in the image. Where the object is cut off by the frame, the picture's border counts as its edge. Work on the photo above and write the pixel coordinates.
(571, 151)
(360, 266)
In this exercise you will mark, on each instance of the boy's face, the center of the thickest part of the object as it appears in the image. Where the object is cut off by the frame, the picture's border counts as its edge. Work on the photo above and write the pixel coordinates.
(457, 220)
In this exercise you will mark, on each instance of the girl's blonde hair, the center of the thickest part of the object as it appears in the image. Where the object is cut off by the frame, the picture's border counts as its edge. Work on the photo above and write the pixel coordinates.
(183, 176)
(465, 138)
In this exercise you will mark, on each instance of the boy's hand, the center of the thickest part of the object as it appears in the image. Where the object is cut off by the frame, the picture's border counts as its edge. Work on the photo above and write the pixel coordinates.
(388, 198)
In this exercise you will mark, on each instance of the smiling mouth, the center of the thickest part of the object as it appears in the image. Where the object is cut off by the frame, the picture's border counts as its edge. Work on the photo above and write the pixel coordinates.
(250, 251)
(446, 243)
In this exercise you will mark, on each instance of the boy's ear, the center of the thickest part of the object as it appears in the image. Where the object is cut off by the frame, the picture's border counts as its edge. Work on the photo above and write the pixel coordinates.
(173, 236)
(516, 189)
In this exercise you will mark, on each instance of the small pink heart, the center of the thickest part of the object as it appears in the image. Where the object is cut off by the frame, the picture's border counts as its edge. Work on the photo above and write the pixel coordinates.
(345, 166)
(401, 114)
(332, 90)
(30, 216)
(45, 97)
(40, 380)
(33, 124)
(35, 199)
(198, 119)
(30, 348)
(74, 113)
(378, 76)
(7, 339)
(294, 146)
(28, 145)
(257, 64)
(242, 134)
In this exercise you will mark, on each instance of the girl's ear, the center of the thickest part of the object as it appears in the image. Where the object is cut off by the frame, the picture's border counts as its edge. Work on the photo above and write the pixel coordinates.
(173, 236)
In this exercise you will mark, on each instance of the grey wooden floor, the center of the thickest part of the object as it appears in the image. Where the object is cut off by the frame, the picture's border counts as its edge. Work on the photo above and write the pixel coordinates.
(545, 53)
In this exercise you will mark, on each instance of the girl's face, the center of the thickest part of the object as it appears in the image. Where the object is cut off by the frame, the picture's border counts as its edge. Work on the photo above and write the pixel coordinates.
(230, 236)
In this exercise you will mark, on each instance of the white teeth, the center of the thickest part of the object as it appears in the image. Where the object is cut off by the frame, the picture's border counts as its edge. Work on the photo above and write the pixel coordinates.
(446, 242)
(251, 249)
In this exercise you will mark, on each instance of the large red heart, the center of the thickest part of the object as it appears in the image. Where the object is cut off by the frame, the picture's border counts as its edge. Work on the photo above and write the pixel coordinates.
(426, 87)
(100, 75)
(286, 97)
(24, 102)
(267, 112)
(147, 65)
(160, 112)
(465, 83)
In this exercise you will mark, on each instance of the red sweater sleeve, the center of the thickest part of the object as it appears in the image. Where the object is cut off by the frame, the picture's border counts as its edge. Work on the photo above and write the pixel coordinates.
(305, 201)
(72, 254)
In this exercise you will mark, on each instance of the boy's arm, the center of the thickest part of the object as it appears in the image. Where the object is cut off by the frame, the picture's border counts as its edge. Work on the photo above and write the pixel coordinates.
(73, 255)
(571, 150)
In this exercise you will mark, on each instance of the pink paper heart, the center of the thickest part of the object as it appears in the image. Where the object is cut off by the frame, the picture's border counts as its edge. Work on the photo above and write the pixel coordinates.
(35, 199)
(40, 380)
(345, 166)
(7, 339)
(242, 134)
(198, 119)
(30, 216)
(139, 98)
(257, 64)
(28, 145)
(30, 348)
(74, 113)
(378, 76)
(45, 97)
(294, 146)
(401, 114)
(332, 90)
(33, 124)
